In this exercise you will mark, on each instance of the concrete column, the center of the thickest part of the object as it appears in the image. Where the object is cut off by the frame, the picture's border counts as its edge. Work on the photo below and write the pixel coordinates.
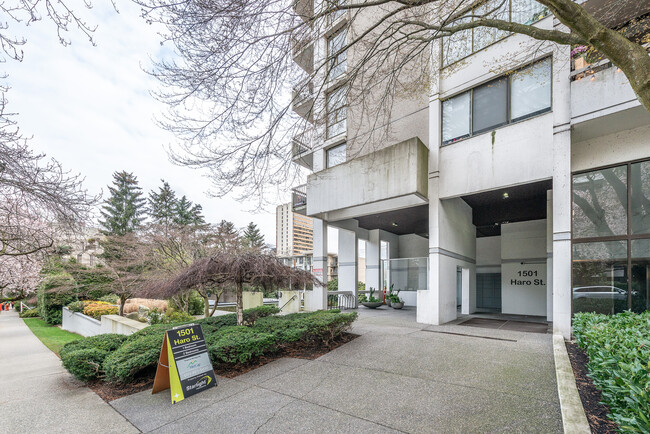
(318, 298)
(373, 260)
(549, 255)
(348, 254)
(561, 195)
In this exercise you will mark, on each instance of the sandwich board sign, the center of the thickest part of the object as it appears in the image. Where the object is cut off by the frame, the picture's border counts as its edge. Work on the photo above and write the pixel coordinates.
(184, 364)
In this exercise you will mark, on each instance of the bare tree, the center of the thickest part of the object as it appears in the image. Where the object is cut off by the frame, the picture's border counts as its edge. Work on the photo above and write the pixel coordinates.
(238, 270)
(19, 276)
(229, 90)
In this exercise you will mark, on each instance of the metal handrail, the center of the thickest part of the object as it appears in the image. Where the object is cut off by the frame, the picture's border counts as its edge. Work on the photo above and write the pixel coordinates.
(288, 301)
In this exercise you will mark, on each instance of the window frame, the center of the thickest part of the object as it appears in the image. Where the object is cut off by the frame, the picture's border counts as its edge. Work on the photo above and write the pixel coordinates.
(628, 237)
(509, 120)
(331, 148)
(334, 58)
(329, 111)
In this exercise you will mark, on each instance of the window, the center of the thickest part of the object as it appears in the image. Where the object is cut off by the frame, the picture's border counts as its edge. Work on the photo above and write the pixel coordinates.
(490, 105)
(611, 253)
(331, 4)
(336, 112)
(455, 118)
(530, 90)
(336, 155)
(336, 53)
(462, 44)
(511, 98)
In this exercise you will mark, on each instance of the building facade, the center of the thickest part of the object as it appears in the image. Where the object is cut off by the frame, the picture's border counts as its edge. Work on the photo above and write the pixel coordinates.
(513, 180)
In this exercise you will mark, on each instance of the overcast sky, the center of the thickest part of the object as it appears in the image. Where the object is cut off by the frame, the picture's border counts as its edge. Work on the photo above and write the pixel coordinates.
(90, 108)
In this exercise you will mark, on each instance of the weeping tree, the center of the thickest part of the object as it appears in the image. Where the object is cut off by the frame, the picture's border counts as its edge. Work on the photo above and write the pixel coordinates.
(235, 270)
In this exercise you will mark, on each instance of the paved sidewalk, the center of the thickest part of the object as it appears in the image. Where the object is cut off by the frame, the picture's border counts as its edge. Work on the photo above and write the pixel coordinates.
(38, 395)
(398, 376)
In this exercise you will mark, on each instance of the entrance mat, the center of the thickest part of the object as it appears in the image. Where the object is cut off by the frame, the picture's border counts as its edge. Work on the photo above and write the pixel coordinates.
(502, 324)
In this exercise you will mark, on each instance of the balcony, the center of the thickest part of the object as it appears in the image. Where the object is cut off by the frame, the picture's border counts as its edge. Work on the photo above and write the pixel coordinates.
(303, 100)
(390, 178)
(301, 147)
(303, 51)
(602, 101)
(299, 199)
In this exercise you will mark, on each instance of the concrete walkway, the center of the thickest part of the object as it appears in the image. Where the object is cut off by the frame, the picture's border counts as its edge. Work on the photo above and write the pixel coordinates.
(38, 395)
(398, 376)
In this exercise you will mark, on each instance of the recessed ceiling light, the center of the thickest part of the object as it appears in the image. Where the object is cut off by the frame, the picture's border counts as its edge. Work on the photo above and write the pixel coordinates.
(394, 224)
(506, 195)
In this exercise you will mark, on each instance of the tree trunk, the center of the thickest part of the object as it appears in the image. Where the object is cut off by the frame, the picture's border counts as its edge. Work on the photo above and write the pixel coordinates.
(240, 304)
(216, 302)
(206, 306)
(122, 303)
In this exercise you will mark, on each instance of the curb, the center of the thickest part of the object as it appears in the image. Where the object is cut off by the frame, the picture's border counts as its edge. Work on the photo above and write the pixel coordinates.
(574, 419)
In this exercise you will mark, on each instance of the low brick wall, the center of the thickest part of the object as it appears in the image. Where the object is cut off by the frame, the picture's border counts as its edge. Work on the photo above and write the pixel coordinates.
(79, 323)
(120, 325)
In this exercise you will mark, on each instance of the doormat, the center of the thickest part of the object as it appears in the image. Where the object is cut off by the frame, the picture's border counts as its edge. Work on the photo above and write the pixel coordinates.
(502, 324)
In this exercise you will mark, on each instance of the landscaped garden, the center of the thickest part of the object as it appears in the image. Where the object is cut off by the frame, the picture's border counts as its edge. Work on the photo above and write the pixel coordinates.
(616, 355)
(113, 364)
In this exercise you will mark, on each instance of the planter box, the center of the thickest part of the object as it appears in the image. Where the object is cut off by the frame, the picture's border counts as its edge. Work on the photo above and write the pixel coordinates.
(79, 323)
(252, 299)
(121, 325)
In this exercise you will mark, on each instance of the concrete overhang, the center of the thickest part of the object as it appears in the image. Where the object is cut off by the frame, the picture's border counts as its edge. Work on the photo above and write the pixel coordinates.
(392, 178)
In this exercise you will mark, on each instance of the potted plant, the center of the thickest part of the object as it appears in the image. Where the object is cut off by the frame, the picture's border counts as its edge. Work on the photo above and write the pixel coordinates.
(370, 301)
(395, 301)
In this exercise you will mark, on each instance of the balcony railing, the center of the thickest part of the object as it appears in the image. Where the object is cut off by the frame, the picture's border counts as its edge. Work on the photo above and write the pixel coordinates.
(302, 143)
(299, 199)
(303, 99)
(303, 50)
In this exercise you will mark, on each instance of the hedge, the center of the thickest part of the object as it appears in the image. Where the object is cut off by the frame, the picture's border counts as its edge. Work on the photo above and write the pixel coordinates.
(84, 358)
(227, 343)
(51, 303)
(99, 308)
(618, 347)
(29, 313)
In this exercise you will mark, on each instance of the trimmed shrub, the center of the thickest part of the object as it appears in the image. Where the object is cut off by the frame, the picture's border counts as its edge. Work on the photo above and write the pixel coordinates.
(110, 298)
(196, 304)
(84, 358)
(317, 328)
(31, 313)
(99, 308)
(106, 342)
(618, 347)
(85, 364)
(239, 345)
(133, 357)
(251, 315)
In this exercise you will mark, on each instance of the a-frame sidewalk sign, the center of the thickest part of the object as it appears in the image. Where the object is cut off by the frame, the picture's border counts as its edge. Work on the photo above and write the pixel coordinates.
(184, 363)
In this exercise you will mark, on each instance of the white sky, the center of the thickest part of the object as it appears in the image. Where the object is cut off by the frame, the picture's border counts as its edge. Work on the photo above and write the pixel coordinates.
(90, 108)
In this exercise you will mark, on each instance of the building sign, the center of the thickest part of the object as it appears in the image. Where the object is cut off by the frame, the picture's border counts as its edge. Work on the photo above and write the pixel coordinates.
(184, 364)
(523, 288)
(318, 272)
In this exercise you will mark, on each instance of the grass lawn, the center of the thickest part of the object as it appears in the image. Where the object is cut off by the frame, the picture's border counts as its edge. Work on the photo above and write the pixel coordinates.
(53, 337)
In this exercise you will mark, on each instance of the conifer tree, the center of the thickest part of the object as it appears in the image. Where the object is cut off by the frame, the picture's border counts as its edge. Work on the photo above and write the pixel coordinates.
(163, 205)
(227, 237)
(122, 211)
(188, 213)
(252, 237)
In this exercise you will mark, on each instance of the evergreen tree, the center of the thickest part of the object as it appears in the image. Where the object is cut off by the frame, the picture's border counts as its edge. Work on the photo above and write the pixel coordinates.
(253, 238)
(163, 205)
(122, 211)
(188, 213)
(227, 237)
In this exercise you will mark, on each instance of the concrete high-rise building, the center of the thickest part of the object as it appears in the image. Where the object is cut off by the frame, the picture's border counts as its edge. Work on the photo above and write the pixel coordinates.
(294, 232)
(511, 180)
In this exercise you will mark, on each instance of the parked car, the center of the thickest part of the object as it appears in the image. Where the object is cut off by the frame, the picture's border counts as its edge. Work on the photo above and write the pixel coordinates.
(604, 292)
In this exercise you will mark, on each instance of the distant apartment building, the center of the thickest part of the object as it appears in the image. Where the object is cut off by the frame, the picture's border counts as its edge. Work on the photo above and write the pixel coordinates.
(512, 184)
(83, 247)
(294, 232)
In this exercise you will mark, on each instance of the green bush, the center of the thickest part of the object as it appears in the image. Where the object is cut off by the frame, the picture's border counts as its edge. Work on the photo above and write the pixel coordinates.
(106, 342)
(618, 347)
(251, 315)
(110, 298)
(77, 306)
(84, 358)
(29, 313)
(133, 357)
(85, 364)
(317, 328)
(196, 304)
(50, 301)
(238, 345)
